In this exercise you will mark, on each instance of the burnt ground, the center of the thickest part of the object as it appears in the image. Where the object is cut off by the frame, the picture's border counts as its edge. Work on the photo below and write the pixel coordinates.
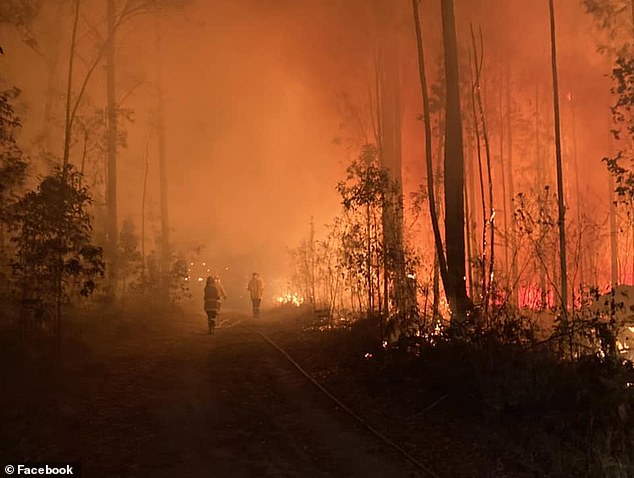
(157, 397)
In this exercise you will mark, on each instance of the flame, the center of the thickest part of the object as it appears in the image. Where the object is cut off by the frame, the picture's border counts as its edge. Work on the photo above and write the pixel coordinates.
(290, 298)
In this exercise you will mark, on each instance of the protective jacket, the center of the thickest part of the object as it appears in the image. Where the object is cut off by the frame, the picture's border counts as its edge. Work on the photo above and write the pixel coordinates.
(214, 295)
(256, 287)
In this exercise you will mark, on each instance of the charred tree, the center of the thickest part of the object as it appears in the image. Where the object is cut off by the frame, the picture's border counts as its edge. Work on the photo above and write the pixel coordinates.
(511, 192)
(503, 181)
(561, 220)
(454, 172)
(489, 216)
(485, 222)
(440, 262)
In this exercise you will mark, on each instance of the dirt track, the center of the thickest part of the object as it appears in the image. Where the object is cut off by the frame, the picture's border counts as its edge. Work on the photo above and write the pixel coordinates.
(172, 401)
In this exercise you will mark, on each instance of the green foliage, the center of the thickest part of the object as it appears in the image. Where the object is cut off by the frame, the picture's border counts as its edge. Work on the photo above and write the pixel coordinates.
(52, 234)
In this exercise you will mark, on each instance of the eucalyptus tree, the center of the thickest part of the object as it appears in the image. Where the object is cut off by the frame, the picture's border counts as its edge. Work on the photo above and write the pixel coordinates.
(454, 171)
(117, 14)
(52, 232)
(615, 21)
(13, 168)
(561, 217)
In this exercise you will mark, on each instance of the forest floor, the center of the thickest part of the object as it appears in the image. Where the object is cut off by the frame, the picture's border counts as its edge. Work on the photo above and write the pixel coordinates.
(141, 396)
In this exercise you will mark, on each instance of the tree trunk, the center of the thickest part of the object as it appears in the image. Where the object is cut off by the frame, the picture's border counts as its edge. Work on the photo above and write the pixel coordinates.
(69, 91)
(505, 198)
(454, 171)
(111, 143)
(541, 181)
(476, 131)
(509, 159)
(614, 238)
(313, 294)
(561, 221)
(162, 154)
(440, 262)
(614, 247)
(490, 217)
(468, 232)
(470, 187)
(390, 155)
(146, 168)
(575, 159)
(368, 260)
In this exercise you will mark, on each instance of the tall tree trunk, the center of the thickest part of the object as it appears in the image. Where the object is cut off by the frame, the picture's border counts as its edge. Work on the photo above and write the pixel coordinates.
(378, 137)
(368, 260)
(51, 60)
(468, 232)
(614, 243)
(146, 168)
(505, 198)
(632, 14)
(111, 142)
(454, 171)
(575, 159)
(561, 221)
(478, 61)
(65, 162)
(509, 159)
(478, 145)
(390, 154)
(162, 154)
(440, 263)
(470, 185)
(540, 181)
(69, 90)
(312, 263)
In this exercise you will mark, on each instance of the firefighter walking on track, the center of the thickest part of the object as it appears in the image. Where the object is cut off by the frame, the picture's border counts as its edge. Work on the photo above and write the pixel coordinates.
(256, 289)
(214, 295)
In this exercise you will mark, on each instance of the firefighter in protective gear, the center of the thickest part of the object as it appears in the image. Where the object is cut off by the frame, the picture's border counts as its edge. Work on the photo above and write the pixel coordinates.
(214, 295)
(256, 289)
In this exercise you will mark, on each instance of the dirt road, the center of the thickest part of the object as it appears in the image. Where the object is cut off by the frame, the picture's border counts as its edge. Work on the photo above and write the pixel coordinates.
(172, 401)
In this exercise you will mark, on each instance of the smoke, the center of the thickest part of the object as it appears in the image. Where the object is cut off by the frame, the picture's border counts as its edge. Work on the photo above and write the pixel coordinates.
(256, 92)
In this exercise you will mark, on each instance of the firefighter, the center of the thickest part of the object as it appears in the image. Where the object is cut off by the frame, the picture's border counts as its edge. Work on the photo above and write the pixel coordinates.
(256, 289)
(214, 295)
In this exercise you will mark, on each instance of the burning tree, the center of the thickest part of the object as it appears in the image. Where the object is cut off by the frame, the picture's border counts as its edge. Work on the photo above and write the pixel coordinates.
(363, 198)
(373, 267)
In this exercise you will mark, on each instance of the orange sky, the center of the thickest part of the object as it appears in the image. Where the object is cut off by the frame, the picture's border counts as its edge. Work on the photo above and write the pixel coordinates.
(253, 102)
